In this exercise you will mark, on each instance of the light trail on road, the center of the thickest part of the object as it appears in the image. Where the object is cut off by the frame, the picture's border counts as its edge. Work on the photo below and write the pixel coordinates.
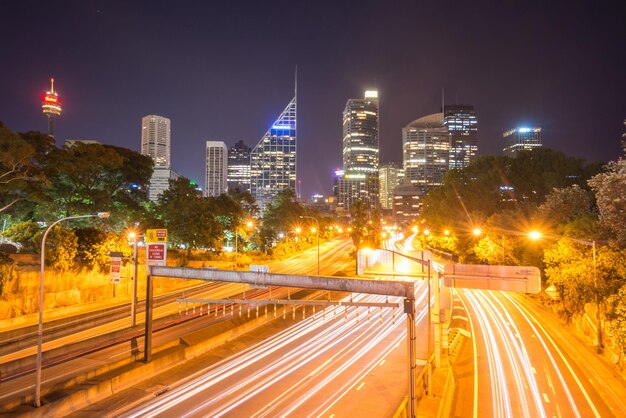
(304, 370)
(528, 375)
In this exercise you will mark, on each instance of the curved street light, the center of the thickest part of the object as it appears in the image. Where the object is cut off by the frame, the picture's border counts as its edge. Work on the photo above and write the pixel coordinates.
(41, 279)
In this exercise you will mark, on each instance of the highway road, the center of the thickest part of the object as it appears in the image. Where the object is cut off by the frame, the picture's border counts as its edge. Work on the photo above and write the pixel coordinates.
(332, 253)
(515, 367)
(339, 362)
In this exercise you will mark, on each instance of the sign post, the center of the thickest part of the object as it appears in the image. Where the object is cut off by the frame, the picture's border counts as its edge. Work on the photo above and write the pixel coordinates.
(156, 255)
(116, 266)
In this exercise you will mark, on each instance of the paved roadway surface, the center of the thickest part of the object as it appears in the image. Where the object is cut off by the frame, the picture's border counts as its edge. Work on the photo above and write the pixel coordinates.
(334, 363)
(515, 366)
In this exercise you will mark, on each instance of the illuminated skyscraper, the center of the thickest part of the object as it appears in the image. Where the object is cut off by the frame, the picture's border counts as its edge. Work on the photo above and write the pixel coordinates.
(359, 180)
(273, 159)
(520, 139)
(155, 139)
(389, 177)
(462, 125)
(51, 107)
(239, 167)
(426, 152)
(360, 134)
(216, 168)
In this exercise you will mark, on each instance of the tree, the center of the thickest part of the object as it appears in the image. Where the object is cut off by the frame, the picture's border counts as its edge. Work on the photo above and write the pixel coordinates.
(610, 190)
(24, 233)
(366, 226)
(61, 248)
(95, 244)
(188, 217)
(616, 322)
(16, 168)
(280, 216)
(564, 205)
(568, 269)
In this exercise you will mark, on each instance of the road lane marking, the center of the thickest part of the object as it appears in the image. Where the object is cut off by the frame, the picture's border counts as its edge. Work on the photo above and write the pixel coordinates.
(545, 398)
(360, 386)
(382, 362)
(534, 370)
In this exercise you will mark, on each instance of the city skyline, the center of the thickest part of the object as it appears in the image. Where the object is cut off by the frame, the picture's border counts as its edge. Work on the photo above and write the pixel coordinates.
(562, 72)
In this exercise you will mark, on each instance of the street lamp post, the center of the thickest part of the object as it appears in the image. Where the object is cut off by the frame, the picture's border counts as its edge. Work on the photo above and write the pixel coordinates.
(41, 290)
(133, 313)
(318, 241)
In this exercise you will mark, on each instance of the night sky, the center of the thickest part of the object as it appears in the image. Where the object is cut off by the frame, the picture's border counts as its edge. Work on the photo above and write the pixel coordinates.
(224, 70)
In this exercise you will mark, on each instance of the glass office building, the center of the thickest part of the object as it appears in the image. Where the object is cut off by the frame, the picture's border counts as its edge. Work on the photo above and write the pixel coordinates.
(273, 159)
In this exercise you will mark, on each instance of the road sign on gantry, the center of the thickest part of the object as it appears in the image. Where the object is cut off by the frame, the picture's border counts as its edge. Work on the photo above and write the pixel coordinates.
(478, 276)
(392, 263)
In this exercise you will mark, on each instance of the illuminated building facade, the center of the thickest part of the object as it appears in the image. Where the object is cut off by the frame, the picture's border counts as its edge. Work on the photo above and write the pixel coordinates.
(360, 152)
(353, 187)
(51, 107)
(239, 167)
(273, 159)
(462, 125)
(216, 168)
(155, 139)
(426, 152)
(389, 177)
(520, 139)
(360, 134)
(407, 203)
(160, 182)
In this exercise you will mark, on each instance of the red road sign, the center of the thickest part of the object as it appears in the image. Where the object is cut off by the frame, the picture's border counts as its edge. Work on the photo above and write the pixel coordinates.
(157, 254)
(116, 268)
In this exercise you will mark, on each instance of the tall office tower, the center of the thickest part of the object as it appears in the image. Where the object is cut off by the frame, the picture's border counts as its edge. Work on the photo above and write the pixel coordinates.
(389, 177)
(273, 159)
(360, 152)
(520, 139)
(239, 167)
(155, 139)
(216, 168)
(462, 125)
(51, 107)
(426, 152)
(360, 134)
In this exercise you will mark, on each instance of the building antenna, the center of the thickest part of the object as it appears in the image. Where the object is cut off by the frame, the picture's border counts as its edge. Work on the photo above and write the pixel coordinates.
(443, 101)
(52, 85)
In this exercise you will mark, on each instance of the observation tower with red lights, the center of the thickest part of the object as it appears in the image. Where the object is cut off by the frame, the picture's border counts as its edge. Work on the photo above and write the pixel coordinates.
(51, 107)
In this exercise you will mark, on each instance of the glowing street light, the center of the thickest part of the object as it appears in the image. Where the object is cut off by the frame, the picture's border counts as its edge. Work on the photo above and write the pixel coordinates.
(446, 232)
(41, 290)
(477, 232)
